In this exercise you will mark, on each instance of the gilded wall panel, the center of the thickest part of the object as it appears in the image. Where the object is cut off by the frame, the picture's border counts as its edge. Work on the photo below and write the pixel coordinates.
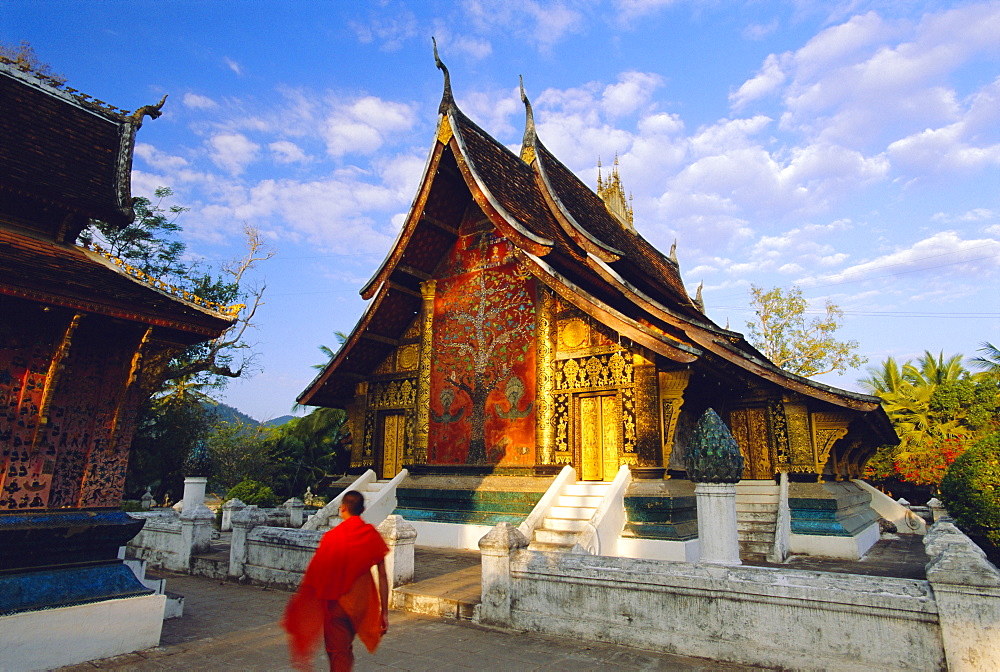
(827, 429)
(801, 454)
(546, 421)
(749, 428)
(671, 391)
(422, 416)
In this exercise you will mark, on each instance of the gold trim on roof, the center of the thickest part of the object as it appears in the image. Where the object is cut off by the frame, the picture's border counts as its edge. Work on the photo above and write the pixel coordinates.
(180, 293)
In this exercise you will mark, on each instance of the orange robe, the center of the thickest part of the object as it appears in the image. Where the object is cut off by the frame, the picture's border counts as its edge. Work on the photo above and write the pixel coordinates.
(340, 570)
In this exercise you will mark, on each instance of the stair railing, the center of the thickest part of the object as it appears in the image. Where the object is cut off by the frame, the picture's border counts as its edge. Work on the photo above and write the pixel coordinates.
(534, 520)
(383, 502)
(330, 514)
(600, 535)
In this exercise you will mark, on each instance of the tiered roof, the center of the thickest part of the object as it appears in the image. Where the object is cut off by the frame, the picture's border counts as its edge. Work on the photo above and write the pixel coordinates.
(66, 158)
(565, 235)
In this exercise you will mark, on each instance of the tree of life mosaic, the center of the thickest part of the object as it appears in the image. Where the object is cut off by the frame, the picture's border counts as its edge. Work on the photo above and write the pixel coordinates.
(483, 378)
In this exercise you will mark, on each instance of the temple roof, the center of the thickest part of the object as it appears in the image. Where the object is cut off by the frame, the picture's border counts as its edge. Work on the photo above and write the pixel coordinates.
(72, 277)
(565, 235)
(63, 155)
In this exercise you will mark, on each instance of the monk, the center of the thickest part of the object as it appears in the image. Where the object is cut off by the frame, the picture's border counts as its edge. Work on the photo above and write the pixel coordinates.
(337, 596)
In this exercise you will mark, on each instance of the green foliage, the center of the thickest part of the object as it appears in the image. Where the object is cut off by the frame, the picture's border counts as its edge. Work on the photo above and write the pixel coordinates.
(167, 429)
(971, 489)
(713, 455)
(937, 408)
(253, 492)
(239, 451)
(783, 335)
(308, 449)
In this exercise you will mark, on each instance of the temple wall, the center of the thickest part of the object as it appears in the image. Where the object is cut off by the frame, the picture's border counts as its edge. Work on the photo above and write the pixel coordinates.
(68, 413)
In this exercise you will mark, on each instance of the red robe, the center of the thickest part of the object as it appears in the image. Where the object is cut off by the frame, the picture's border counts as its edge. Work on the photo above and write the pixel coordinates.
(340, 570)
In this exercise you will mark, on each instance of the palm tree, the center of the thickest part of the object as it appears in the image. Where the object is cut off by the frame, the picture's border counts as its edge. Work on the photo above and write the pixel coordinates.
(931, 371)
(989, 362)
(888, 378)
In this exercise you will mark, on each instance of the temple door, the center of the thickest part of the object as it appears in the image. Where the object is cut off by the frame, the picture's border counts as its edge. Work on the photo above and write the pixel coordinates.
(600, 436)
(749, 428)
(393, 430)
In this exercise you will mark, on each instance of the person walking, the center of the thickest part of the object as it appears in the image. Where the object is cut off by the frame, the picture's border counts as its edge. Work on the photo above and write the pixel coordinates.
(337, 596)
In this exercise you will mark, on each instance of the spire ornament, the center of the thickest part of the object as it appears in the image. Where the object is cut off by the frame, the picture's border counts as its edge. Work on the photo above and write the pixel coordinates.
(613, 194)
(447, 99)
(713, 456)
(673, 253)
(528, 142)
(151, 111)
(698, 300)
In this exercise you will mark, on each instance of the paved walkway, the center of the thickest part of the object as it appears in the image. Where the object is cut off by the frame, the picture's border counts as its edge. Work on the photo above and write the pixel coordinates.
(227, 626)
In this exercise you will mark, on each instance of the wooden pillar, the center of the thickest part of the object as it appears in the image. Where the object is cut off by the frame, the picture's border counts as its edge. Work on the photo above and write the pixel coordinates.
(545, 363)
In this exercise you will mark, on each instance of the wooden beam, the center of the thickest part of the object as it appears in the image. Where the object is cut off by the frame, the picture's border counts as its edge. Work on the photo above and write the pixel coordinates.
(381, 339)
(453, 230)
(405, 290)
(410, 270)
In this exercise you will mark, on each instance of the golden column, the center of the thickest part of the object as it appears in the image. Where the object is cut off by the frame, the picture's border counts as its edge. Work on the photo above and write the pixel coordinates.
(545, 362)
(672, 386)
(428, 289)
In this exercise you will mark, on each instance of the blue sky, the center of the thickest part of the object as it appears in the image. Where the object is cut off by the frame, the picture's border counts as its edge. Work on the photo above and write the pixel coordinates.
(850, 148)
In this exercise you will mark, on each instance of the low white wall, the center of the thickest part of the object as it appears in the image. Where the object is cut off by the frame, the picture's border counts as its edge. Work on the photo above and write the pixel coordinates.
(659, 549)
(42, 640)
(160, 542)
(846, 548)
(449, 535)
(743, 615)
(279, 556)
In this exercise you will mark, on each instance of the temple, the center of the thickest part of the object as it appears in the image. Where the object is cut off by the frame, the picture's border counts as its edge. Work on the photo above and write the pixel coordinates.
(521, 323)
(81, 337)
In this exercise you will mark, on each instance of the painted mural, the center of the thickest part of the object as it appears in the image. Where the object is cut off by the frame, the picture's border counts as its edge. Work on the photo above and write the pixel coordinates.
(69, 458)
(483, 378)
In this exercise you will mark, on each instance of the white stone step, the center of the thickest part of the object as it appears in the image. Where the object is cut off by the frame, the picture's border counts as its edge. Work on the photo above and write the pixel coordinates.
(555, 537)
(587, 489)
(581, 501)
(549, 548)
(565, 524)
(762, 516)
(572, 512)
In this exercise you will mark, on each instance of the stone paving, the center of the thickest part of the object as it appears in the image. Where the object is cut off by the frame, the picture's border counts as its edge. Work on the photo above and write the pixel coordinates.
(227, 626)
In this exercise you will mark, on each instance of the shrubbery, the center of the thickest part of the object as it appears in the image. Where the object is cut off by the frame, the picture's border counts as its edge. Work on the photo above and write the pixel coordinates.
(970, 489)
(253, 492)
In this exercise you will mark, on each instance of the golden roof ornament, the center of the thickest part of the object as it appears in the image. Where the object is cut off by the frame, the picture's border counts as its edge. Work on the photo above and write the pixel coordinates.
(528, 142)
(613, 195)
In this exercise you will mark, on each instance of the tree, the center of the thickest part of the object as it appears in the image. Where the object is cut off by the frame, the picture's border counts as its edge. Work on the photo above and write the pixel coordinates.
(240, 451)
(24, 54)
(308, 449)
(937, 408)
(783, 335)
(989, 361)
(971, 491)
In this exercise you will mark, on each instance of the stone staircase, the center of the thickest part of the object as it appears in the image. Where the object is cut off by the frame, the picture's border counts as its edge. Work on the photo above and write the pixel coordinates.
(756, 516)
(367, 490)
(569, 516)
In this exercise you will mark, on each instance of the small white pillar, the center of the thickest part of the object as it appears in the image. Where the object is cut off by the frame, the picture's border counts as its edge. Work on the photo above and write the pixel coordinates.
(496, 548)
(718, 536)
(147, 500)
(243, 521)
(294, 506)
(230, 509)
(196, 533)
(400, 536)
(194, 491)
(937, 509)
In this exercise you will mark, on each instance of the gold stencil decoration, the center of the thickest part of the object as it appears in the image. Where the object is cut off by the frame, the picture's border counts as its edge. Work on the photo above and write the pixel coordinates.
(828, 428)
(749, 428)
(802, 456)
(407, 357)
(545, 349)
(444, 131)
(573, 334)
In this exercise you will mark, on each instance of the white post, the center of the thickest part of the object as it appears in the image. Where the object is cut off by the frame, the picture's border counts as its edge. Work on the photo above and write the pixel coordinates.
(717, 533)
(399, 536)
(243, 521)
(294, 506)
(496, 548)
(783, 524)
(194, 491)
(196, 532)
(230, 509)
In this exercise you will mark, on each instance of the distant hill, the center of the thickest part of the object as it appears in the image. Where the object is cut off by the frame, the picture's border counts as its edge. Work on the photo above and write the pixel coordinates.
(226, 413)
(278, 421)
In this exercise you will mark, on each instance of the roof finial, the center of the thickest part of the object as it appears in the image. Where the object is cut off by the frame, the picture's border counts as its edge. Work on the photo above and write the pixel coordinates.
(698, 300)
(673, 252)
(600, 183)
(447, 100)
(529, 119)
(151, 111)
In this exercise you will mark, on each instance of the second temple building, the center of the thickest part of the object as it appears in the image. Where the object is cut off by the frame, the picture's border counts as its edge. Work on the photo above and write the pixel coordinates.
(520, 323)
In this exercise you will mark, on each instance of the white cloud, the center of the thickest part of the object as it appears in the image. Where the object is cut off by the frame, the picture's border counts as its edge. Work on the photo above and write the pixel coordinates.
(974, 215)
(541, 23)
(158, 160)
(758, 31)
(765, 82)
(233, 65)
(945, 253)
(198, 102)
(287, 152)
(632, 92)
(363, 125)
(391, 30)
(233, 151)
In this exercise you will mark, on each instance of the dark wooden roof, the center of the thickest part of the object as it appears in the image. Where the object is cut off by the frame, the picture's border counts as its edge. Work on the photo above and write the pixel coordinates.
(61, 153)
(69, 276)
